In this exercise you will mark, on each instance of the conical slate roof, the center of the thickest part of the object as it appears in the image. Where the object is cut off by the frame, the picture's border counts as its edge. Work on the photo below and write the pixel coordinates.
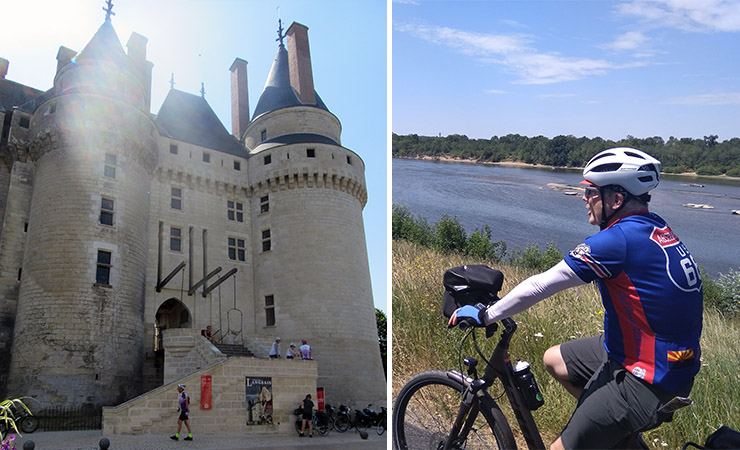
(189, 118)
(278, 93)
(105, 46)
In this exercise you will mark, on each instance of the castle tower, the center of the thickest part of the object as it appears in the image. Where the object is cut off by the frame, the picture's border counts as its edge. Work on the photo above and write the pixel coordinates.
(310, 255)
(77, 336)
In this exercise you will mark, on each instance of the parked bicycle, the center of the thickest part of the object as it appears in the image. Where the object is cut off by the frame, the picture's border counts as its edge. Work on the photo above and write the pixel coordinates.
(24, 420)
(450, 410)
(320, 426)
(382, 419)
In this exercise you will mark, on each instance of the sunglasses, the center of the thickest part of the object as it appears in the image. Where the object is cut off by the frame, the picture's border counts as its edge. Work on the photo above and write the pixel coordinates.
(591, 192)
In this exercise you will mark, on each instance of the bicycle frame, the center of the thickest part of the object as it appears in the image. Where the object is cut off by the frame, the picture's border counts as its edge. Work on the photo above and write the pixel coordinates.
(499, 366)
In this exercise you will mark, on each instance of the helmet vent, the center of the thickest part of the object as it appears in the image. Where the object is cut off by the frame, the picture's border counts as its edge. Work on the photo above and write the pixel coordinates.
(634, 155)
(646, 179)
(613, 167)
(599, 156)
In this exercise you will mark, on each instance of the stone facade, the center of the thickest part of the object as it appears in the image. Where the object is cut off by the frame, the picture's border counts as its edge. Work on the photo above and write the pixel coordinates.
(120, 226)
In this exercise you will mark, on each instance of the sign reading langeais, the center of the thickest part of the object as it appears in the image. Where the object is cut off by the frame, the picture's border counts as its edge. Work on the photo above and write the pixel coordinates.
(259, 400)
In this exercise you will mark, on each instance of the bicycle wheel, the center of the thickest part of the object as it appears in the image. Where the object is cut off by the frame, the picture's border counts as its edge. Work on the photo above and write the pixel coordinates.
(341, 424)
(381, 426)
(29, 424)
(426, 408)
(321, 429)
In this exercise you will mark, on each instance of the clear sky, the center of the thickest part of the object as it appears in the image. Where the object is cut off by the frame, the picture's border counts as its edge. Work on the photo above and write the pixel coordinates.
(198, 40)
(568, 67)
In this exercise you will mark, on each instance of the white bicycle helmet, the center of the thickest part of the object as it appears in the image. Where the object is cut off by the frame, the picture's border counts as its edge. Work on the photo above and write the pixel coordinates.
(632, 169)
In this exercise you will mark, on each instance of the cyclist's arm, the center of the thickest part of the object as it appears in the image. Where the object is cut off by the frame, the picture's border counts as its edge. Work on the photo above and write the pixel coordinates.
(532, 290)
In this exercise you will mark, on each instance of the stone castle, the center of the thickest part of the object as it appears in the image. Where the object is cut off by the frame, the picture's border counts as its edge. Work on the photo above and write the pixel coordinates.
(118, 224)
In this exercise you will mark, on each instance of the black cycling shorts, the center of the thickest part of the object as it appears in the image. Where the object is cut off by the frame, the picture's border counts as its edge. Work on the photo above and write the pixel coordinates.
(183, 415)
(614, 405)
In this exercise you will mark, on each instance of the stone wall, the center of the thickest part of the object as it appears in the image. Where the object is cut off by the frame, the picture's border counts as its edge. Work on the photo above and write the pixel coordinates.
(186, 351)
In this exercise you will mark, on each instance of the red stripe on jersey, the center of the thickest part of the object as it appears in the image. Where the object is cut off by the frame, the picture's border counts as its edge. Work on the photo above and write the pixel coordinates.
(637, 336)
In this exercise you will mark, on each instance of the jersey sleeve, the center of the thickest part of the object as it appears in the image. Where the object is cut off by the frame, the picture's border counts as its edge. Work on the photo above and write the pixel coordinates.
(600, 256)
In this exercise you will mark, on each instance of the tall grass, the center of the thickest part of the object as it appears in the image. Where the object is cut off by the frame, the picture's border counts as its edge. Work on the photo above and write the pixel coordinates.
(421, 341)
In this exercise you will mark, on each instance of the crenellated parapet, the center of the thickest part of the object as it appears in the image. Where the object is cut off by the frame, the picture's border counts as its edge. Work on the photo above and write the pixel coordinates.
(202, 181)
(306, 178)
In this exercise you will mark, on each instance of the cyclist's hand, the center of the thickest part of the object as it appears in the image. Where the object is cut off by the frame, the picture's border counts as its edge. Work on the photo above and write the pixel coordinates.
(468, 316)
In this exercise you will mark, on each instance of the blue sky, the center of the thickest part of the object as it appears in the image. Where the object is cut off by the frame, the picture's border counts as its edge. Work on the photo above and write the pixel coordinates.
(571, 67)
(198, 41)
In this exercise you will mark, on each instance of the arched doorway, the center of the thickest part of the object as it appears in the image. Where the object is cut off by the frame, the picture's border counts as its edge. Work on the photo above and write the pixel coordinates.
(170, 314)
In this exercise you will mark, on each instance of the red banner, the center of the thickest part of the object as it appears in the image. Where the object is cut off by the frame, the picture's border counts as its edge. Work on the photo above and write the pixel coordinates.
(205, 392)
(320, 399)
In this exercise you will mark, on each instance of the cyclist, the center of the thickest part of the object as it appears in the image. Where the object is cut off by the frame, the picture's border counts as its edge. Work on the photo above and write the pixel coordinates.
(652, 296)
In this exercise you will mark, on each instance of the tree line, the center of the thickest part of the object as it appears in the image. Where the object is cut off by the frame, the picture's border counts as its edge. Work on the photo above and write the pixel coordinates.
(707, 156)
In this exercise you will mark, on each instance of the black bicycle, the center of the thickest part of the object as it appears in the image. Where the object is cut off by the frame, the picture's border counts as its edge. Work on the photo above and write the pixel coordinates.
(320, 425)
(381, 421)
(450, 410)
(23, 419)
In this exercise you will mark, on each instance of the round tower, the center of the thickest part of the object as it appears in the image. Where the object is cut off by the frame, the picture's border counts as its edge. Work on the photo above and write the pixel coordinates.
(79, 325)
(309, 241)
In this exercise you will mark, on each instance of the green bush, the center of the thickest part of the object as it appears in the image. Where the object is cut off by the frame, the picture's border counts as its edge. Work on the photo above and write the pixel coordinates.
(724, 293)
(532, 258)
(709, 170)
(734, 172)
(449, 235)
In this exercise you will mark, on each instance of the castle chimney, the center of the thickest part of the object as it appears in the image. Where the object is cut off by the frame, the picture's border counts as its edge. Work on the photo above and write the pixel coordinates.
(299, 58)
(64, 56)
(137, 55)
(4, 63)
(239, 98)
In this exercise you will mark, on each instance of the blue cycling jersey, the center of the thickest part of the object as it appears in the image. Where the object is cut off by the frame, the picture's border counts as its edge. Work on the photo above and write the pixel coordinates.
(652, 295)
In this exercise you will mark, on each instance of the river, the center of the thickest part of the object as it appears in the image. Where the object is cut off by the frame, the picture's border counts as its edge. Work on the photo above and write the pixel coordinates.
(520, 208)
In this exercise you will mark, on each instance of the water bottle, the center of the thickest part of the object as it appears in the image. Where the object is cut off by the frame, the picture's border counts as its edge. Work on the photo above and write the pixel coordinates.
(528, 386)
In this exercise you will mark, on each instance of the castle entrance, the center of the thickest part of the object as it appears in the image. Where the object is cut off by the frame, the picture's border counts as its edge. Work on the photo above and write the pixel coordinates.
(170, 314)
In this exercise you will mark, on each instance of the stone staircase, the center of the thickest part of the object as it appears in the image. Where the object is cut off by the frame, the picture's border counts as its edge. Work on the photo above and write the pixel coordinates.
(234, 350)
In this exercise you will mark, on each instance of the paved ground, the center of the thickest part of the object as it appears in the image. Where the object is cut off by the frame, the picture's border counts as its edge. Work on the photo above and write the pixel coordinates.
(89, 440)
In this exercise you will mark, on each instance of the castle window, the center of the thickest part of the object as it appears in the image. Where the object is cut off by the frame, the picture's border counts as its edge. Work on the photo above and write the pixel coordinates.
(349, 159)
(266, 241)
(311, 153)
(268, 159)
(264, 204)
(235, 211)
(237, 249)
(270, 310)
(110, 165)
(106, 211)
(20, 272)
(173, 149)
(237, 165)
(102, 274)
(25, 122)
(264, 135)
(175, 239)
(206, 157)
(176, 200)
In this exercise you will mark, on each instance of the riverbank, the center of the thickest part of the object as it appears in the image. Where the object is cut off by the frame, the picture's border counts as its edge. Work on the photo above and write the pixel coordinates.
(523, 165)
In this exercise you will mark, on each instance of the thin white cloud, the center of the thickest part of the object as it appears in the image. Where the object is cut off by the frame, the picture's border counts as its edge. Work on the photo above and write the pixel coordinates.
(514, 52)
(628, 41)
(688, 15)
(494, 91)
(712, 99)
(407, 2)
(555, 96)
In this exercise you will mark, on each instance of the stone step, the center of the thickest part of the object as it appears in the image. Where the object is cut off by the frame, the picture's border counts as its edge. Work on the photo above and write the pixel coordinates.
(234, 350)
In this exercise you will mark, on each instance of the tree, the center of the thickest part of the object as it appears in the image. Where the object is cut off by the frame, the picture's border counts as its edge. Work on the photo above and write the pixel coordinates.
(381, 320)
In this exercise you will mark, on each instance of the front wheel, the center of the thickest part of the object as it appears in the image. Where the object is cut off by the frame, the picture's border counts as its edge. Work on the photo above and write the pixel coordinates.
(426, 408)
(381, 426)
(29, 424)
(341, 424)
